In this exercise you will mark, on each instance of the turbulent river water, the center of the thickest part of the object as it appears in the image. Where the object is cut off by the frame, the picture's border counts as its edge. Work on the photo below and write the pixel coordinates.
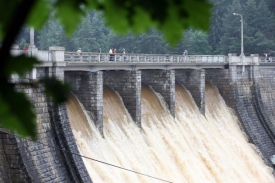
(190, 148)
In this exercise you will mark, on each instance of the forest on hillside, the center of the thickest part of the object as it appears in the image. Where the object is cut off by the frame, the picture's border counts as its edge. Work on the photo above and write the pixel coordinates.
(223, 37)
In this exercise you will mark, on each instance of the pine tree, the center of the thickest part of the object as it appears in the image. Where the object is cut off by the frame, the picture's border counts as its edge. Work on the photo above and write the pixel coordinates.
(215, 33)
(84, 38)
(99, 30)
(230, 41)
(250, 30)
(265, 32)
(52, 34)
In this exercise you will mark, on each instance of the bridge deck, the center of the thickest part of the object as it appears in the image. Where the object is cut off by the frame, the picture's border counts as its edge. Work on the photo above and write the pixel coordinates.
(105, 61)
(144, 58)
(84, 66)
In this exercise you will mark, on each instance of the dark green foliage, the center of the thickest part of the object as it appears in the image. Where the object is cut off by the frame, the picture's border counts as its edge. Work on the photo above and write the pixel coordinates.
(230, 41)
(16, 112)
(84, 36)
(216, 26)
(196, 42)
(52, 85)
(224, 36)
(259, 20)
(20, 65)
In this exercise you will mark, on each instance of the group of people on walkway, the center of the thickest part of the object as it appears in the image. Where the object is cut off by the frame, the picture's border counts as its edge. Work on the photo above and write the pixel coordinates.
(112, 52)
(268, 57)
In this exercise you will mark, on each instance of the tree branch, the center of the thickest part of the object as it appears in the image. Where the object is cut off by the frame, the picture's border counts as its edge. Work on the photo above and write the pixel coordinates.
(16, 23)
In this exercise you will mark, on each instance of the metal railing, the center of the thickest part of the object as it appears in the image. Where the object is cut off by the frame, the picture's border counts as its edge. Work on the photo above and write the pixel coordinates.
(266, 59)
(143, 58)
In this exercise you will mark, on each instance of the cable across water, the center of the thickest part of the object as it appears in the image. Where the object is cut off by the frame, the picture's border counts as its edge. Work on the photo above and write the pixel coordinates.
(93, 159)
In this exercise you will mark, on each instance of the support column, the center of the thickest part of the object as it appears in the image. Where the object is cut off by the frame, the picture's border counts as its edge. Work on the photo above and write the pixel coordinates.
(163, 82)
(57, 53)
(194, 81)
(128, 85)
(88, 87)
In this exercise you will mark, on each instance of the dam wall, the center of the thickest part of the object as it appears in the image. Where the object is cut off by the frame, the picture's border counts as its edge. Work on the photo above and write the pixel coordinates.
(244, 96)
(12, 168)
(54, 156)
(248, 93)
(264, 87)
(238, 90)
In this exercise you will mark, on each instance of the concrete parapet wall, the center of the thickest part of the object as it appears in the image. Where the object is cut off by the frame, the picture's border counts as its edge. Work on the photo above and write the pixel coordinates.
(163, 82)
(194, 81)
(128, 85)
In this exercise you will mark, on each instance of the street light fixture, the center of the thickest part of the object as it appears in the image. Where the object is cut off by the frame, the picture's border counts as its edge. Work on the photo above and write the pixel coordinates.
(242, 52)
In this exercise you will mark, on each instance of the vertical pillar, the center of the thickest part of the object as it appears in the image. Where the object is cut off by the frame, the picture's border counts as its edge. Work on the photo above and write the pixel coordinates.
(32, 37)
(254, 59)
(32, 46)
(128, 85)
(57, 53)
(194, 81)
(88, 87)
(33, 73)
(163, 82)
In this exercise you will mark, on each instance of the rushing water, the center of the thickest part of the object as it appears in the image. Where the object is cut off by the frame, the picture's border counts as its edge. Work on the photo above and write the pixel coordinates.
(190, 148)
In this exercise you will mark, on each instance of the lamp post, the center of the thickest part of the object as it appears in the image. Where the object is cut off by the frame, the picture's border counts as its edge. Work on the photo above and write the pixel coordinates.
(32, 46)
(242, 53)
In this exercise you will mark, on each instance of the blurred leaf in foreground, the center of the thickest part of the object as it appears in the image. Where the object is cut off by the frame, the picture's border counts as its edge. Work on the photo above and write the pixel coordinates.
(20, 65)
(58, 91)
(16, 112)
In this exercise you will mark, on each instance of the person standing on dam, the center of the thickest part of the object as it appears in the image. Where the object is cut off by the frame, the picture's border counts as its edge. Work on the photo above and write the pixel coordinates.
(123, 53)
(185, 53)
(78, 51)
(111, 54)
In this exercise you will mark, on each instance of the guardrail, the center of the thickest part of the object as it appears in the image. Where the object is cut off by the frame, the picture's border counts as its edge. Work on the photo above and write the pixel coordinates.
(143, 58)
(266, 59)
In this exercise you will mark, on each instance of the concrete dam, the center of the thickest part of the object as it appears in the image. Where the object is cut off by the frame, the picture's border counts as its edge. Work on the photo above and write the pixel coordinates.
(180, 124)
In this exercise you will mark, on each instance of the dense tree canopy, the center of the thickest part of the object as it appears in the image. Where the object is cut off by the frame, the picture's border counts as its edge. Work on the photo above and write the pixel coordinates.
(224, 34)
